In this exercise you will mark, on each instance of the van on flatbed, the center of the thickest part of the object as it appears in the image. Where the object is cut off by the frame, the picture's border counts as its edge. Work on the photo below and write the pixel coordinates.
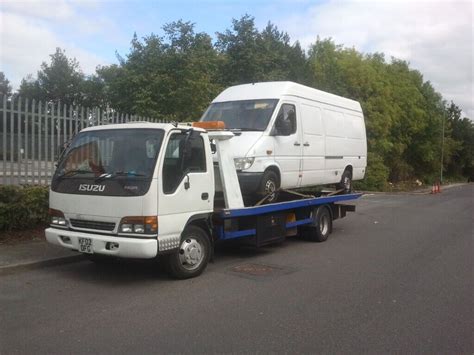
(147, 190)
(291, 136)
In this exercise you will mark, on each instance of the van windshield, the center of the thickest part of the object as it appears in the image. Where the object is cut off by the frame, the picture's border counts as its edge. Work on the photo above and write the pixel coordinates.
(246, 115)
(113, 157)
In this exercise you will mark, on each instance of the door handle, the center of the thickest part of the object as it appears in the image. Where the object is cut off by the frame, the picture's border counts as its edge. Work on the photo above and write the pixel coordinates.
(306, 144)
(297, 144)
(204, 196)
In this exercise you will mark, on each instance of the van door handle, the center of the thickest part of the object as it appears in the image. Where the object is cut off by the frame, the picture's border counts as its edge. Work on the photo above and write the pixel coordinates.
(297, 144)
(204, 196)
(306, 144)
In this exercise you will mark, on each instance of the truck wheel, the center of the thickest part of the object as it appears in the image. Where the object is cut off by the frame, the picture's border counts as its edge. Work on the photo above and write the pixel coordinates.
(269, 186)
(322, 225)
(193, 254)
(346, 182)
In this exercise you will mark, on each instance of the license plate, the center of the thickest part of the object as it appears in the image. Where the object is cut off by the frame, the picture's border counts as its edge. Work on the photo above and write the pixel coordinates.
(85, 245)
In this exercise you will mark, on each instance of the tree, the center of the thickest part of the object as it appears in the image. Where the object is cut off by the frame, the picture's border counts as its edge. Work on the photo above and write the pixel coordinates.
(173, 77)
(462, 162)
(5, 88)
(59, 81)
(248, 55)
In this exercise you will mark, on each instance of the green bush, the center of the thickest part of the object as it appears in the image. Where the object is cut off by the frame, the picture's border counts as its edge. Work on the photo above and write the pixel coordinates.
(376, 176)
(23, 207)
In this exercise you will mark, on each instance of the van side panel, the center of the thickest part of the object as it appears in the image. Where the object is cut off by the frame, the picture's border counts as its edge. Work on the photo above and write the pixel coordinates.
(345, 143)
(314, 146)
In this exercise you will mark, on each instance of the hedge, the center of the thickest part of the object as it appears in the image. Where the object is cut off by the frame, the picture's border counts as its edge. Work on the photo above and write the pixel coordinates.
(23, 207)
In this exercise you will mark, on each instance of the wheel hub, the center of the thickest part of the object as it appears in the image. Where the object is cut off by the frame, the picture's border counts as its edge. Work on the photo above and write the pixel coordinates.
(347, 183)
(270, 188)
(191, 253)
(324, 225)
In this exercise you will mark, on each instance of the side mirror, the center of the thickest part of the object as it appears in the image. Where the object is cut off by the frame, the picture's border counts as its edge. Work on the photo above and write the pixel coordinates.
(187, 185)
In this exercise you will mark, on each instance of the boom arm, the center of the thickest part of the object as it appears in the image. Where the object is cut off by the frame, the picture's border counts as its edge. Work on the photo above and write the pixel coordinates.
(230, 181)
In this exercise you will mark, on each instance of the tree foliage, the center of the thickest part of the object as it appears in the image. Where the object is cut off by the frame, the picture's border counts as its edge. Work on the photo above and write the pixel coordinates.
(176, 75)
(5, 87)
(59, 81)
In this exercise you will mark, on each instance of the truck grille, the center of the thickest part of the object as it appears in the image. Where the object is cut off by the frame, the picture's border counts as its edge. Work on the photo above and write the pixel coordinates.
(103, 226)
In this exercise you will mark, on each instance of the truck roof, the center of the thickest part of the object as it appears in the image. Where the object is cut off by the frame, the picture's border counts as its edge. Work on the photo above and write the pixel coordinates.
(277, 89)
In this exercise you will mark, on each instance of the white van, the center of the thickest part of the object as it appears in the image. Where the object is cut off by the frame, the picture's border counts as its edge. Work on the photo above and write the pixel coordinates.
(289, 135)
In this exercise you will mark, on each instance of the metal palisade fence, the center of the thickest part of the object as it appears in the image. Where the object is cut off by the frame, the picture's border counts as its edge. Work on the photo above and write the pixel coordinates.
(33, 132)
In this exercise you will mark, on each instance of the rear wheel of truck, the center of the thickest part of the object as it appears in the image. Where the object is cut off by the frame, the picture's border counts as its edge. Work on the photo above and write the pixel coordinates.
(193, 254)
(322, 225)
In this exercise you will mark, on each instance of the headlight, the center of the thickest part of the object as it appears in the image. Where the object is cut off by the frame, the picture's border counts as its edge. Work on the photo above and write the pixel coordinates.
(243, 163)
(57, 218)
(139, 225)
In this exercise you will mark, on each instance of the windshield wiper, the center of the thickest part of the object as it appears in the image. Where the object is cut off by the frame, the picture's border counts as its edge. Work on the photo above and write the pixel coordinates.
(74, 172)
(117, 173)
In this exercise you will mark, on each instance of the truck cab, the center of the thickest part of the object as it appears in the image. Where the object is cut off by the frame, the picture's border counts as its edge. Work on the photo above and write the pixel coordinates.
(129, 190)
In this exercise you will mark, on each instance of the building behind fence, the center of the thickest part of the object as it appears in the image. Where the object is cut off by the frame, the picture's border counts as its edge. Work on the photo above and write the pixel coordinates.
(32, 134)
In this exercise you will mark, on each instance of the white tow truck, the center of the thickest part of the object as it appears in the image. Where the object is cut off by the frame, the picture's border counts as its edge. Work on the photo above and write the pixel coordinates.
(148, 190)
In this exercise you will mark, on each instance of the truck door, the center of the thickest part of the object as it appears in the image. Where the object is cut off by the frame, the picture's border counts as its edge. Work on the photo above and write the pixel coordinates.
(314, 147)
(186, 185)
(288, 144)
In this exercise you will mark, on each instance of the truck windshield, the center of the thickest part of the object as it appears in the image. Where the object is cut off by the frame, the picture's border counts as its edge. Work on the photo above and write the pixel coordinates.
(111, 157)
(246, 115)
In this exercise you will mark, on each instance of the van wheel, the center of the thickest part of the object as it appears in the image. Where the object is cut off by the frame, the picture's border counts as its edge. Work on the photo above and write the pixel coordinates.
(193, 254)
(346, 182)
(322, 225)
(269, 185)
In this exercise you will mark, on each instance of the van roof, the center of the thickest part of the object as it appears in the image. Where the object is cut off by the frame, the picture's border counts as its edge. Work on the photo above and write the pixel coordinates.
(149, 125)
(277, 89)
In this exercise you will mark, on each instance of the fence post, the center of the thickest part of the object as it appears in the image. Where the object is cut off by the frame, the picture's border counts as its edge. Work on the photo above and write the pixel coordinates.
(4, 155)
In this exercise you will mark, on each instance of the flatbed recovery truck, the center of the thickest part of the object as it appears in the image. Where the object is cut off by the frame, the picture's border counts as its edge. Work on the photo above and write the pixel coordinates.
(176, 218)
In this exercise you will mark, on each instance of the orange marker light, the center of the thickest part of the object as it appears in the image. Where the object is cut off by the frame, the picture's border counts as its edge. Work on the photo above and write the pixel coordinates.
(210, 125)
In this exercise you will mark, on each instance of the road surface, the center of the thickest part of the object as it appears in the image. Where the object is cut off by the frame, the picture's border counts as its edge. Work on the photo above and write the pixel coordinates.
(396, 277)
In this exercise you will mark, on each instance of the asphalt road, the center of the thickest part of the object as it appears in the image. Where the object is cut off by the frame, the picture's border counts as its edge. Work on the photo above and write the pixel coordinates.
(394, 277)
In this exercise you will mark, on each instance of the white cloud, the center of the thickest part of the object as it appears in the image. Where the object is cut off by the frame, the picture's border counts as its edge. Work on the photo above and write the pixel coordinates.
(28, 37)
(435, 37)
(49, 10)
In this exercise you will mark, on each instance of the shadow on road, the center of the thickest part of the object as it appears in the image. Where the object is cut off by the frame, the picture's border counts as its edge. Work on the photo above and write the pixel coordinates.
(123, 272)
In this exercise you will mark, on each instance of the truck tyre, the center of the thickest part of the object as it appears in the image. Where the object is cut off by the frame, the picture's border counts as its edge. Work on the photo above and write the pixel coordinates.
(193, 254)
(322, 225)
(346, 182)
(269, 185)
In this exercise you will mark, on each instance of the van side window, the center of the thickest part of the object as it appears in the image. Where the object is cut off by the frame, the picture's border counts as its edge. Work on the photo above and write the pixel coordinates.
(286, 119)
(180, 161)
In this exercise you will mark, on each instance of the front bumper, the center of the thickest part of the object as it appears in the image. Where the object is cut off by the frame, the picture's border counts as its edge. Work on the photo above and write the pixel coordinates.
(127, 247)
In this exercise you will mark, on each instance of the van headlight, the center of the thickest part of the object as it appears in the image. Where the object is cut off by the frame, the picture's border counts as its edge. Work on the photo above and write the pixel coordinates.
(243, 163)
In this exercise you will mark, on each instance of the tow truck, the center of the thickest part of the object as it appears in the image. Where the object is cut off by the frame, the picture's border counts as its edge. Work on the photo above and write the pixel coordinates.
(182, 201)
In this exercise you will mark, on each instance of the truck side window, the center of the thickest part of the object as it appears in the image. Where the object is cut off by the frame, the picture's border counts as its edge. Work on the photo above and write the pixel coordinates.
(180, 161)
(286, 117)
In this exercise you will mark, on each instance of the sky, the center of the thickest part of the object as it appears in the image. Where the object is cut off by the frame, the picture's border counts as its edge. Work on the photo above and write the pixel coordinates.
(436, 37)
